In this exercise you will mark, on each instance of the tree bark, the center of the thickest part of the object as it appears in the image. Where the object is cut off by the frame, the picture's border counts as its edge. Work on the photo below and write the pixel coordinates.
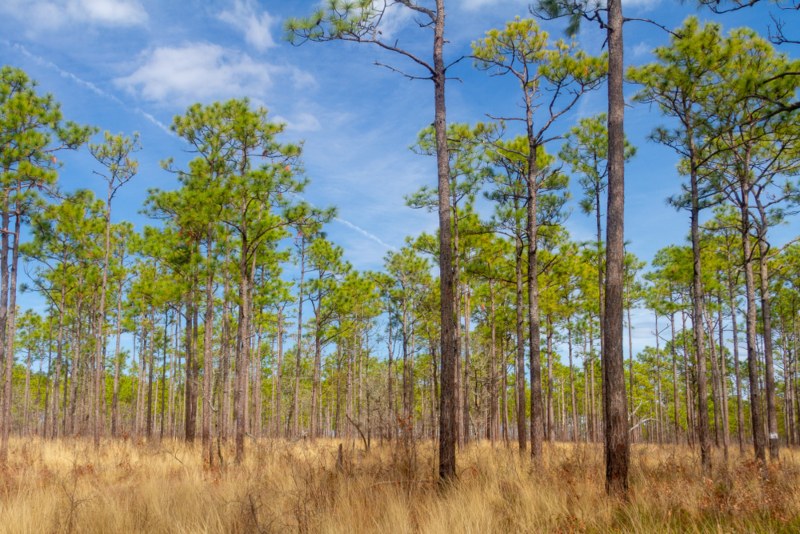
(447, 418)
(617, 441)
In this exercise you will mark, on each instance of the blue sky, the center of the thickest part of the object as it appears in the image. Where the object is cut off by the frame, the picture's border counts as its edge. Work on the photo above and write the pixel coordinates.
(131, 65)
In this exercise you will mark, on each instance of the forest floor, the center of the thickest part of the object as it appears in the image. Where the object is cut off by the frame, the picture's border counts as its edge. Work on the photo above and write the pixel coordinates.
(67, 486)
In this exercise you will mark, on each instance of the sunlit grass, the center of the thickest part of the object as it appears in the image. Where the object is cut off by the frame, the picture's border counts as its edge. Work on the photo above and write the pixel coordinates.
(66, 486)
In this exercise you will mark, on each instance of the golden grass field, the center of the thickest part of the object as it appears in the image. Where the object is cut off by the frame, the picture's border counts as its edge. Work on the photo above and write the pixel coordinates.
(66, 486)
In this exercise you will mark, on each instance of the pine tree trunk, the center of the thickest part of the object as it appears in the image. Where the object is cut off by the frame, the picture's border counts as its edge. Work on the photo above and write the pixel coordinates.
(278, 386)
(449, 354)
(492, 366)
(698, 305)
(575, 429)
(550, 436)
(766, 322)
(391, 416)
(522, 433)
(756, 414)
(208, 361)
(295, 416)
(242, 354)
(467, 367)
(723, 375)
(617, 441)
(10, 335)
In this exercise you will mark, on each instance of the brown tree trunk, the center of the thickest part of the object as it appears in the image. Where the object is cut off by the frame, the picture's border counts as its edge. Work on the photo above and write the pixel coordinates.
(447, 418)
(117, 370)
(522, 433)
(698, 304)
(9, 332)
(675, 398)
(242, 353)
(295, 416)
(575, 429)
(492, 366)
(759, 439)
(465, 380)
(617, 440)
(766, 322)
(278, 386)
(208, 362)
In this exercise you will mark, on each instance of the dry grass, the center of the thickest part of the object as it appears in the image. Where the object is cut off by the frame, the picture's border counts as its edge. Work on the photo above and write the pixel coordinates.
(284, 487)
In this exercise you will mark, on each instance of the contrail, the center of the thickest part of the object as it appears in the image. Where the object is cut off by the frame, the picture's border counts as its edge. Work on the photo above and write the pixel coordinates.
(105, 94)
(366, 234)
(352, 226)
(88, 85)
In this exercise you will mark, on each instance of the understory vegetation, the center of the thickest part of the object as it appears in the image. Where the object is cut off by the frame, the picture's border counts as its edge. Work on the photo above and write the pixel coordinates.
(288, 486)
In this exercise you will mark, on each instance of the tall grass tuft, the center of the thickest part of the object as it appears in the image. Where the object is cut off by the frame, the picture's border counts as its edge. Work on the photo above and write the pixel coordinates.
(330, 486)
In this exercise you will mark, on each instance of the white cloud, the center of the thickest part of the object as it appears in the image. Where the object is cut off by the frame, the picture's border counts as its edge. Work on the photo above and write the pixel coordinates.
(88, 85)
(302, 122)
(197, 72)
(41, 15)
(472, 5)
(641, 50)
(394, 18)
(109, 12)
(644, 5)
(256, 27)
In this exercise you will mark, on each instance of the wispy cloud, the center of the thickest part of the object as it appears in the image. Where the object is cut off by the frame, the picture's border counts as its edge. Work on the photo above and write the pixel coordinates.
(256, 27)
(48, 15)
(86, 84)
(196, 72)
(302, 122)
(365, 233)
(641, 50)
(204, 72)
(110, 12)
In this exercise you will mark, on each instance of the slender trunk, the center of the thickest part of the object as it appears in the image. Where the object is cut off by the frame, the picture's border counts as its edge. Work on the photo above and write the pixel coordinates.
(698, 304)
(208, 361)
(150, 368)
(716, 392)
(6, 358)
(492, 367)
(316, 379)
(10, 334)
(572, 383)
(675, 398)
(27, 397)
(447, 419)
(522, 434)
(736, 366)
(617, 439)
(550, 436)
(278, 387)
(723, 375)
(299, 355)
(225, 364)
(189, 386)
(117, 369)
(757, 418)
(242, 353)
(100, 345)
(467, 312)
(163, 388)
(532, 229)
(391, 415)
(631, 408)
(504, 395)
(766, 322)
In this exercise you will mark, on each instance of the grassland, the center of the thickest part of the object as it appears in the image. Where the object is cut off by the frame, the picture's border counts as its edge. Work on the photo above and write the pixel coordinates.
(67, 486)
